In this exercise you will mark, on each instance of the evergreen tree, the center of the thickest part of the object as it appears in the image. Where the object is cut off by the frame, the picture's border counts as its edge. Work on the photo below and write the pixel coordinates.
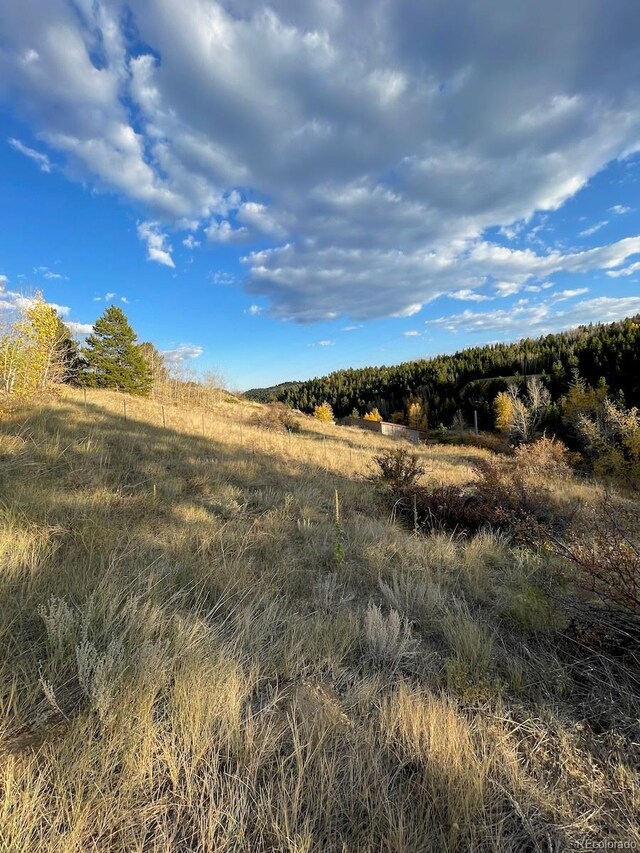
(113, 360)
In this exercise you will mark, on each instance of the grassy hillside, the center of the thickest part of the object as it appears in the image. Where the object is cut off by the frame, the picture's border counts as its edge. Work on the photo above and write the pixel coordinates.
(195, 656)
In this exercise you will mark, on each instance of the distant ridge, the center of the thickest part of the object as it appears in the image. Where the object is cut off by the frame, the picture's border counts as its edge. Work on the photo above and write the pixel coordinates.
(469, 379)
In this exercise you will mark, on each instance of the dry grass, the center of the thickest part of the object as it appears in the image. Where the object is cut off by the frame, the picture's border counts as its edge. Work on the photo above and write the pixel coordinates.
(186, 665)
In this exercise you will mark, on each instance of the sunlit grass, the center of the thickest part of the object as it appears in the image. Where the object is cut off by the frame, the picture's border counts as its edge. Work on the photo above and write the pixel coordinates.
(188, 664)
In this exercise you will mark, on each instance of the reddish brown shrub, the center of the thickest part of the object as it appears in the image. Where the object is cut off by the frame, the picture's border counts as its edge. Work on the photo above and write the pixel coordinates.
(507, 492)
(398, 469)
(601, 548)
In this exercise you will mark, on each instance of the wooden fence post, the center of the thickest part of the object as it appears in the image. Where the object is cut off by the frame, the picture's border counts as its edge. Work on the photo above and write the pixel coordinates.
(124, 408)
(164, 419)
(84, 394)
(475, 420)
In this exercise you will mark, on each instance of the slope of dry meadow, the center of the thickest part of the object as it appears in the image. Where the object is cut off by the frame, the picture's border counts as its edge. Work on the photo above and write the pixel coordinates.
(196, 657)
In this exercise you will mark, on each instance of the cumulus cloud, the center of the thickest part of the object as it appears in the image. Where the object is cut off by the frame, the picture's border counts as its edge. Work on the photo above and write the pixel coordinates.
(223, 232)
(190, 242)
(620, 209)
(356, 140)
(79, 329)
(13, 301)
(261, 219)
(37, 156)
(182, 352)
(158, 248)
(254, 310)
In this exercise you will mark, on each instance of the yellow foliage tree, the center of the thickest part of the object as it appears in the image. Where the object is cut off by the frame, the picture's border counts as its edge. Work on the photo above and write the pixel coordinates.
(30, 350)
(323, 412)
(416, 415)
(373, 415)
(503, 407)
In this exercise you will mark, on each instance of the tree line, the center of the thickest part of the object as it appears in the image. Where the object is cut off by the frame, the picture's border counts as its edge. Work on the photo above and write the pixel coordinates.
(454, 386)
(38, 352)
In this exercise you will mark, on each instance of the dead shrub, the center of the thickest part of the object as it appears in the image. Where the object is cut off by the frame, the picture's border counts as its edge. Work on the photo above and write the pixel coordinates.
(399, 469)
(276, 417)
(601, 548)
(506, 493)
(445, 508)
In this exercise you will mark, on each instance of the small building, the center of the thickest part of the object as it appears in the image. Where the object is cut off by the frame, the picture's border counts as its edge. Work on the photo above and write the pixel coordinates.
(415, 436)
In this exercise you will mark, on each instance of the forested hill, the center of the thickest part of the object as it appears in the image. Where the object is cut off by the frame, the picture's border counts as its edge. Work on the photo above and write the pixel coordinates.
(471, 378)
(272, 393)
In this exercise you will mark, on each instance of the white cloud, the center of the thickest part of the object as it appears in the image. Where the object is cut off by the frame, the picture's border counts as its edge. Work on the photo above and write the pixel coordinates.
(37, 156)
(562, 295)
(158, 248)
(325, 343)
(540, 318)
(258, 217)
(620, 209)
(12, 301)
(223, 232)
(190, 242)
(79, 329)
(630, 270)
(222, 277)
(50, 275)
(412, 333)
(183, 352)
(469, 295)
(594, 228)
(360, 133)
(254, 310)
(351, 328)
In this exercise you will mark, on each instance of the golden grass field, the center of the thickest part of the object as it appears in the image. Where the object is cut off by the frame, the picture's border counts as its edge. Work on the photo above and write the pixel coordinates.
(195, 658)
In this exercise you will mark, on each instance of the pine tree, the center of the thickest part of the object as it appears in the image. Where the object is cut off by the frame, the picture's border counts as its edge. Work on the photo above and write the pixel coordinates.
(113, 358)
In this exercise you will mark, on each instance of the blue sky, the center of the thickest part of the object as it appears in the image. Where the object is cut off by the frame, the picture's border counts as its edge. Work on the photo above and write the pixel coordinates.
(279, 191)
